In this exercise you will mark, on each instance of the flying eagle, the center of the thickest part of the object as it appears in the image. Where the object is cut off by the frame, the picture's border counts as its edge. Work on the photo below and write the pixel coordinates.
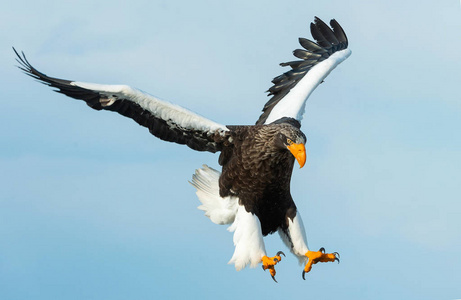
(252, 192)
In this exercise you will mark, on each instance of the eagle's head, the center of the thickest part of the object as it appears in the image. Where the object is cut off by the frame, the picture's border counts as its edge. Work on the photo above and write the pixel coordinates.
(290, 138)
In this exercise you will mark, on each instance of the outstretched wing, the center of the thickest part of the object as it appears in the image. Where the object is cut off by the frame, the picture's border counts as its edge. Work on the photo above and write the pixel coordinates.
(164, 120)
(291, 89)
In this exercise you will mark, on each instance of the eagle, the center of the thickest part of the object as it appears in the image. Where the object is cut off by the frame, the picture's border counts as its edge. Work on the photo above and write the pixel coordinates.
(252, 191)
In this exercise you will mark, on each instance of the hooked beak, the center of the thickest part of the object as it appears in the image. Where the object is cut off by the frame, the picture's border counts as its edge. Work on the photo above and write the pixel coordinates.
(299, 152)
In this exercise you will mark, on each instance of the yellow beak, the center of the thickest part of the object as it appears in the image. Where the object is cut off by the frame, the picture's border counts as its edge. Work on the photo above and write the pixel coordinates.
(299, 152)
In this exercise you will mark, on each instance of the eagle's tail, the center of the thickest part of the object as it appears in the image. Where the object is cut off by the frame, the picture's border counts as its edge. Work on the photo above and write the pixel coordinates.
(219, 210)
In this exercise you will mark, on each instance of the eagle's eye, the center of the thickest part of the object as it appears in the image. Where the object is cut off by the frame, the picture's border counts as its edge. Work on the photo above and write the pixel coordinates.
(289, 142)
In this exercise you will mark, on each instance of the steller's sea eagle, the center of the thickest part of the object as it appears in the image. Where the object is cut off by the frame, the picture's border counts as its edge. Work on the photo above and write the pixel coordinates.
(252, 192)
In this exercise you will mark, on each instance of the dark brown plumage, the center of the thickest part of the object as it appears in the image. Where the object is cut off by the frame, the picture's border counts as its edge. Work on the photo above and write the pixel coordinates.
(257, 169)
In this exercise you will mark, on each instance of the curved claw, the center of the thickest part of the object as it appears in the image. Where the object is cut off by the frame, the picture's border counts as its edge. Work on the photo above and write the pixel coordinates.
(337, 256)
(314, 257)
(280, 252)
(269, 263)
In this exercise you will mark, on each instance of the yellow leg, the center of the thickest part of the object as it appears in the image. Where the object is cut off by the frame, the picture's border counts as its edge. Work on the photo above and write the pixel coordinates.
(270, 262)
(319, 256)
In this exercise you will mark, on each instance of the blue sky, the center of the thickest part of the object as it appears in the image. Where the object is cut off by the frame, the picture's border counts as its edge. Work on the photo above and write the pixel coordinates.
(93, 207)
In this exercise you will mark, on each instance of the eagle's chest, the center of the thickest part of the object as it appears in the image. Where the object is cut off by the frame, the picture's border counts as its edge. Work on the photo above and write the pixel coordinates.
(254, 171)
(266, 192)
(261, 181)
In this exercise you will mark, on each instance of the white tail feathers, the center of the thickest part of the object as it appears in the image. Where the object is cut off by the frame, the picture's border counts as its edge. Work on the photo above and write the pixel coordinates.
(248, 240)
(219, 210)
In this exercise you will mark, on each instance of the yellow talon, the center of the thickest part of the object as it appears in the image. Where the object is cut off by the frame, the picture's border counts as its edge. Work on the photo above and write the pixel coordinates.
(270, 262)
(319, 256)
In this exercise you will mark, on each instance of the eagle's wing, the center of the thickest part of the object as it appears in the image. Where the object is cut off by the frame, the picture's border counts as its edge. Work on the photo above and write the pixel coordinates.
(164, 120)
(291, 89)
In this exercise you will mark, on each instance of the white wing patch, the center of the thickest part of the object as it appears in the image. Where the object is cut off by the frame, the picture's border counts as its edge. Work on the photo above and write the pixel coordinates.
(160, 108)
(293, 104)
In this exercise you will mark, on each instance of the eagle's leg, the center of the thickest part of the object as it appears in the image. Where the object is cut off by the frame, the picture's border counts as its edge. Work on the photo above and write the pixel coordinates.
(295, 238)
(270, 262)
(318, 256)
(249, 243)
